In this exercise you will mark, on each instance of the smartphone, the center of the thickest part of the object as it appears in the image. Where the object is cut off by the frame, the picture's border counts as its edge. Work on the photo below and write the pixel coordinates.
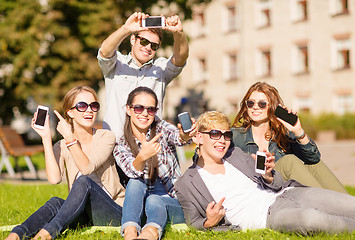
(185, 121)
(154, 22)
(260, 162)
(42, 112)
(285, 115)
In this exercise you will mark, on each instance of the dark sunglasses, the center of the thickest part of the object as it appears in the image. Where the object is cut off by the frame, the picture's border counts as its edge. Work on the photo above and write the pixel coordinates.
(145, 42)
(83, 106)
(138, 109)
(217, 134)
(261, 104)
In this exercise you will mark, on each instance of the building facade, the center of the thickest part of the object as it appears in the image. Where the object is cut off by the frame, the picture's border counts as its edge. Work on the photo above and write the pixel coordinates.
(304, 48)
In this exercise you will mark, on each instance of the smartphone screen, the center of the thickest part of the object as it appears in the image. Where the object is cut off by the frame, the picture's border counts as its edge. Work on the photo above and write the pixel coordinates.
(260, 162)
(285, 115)
(185, 121)
(41, 117)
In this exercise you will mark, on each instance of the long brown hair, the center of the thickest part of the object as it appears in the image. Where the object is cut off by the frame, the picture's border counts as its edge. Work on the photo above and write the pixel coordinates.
(68, 101)
(277, 130)
(129, 137)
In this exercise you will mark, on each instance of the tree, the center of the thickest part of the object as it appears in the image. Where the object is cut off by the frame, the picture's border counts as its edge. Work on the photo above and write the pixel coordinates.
(48, 47)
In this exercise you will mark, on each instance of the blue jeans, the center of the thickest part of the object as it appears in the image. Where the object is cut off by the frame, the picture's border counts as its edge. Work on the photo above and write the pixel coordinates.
(86, 204)
(307, 209)
(159, 206)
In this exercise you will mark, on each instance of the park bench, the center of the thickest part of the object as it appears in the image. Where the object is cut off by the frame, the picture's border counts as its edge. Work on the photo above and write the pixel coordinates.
(12, 144)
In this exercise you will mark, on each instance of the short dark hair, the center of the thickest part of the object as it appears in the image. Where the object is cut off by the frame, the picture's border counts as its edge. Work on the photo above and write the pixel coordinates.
(156, 31)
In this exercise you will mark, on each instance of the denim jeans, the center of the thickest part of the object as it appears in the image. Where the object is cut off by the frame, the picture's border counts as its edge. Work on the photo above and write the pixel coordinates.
(159, 206)
(307, 209)
(86, 204)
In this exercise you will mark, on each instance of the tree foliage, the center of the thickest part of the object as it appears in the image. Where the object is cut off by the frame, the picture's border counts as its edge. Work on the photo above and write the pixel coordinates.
(50, 46)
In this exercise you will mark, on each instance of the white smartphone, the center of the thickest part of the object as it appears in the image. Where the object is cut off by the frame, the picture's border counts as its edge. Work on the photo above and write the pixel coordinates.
(260, 162)
(185, 121)
(42, 112)
(154, 22)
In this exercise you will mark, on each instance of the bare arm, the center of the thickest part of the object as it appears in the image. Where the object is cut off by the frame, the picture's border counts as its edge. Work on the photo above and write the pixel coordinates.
(181, 46)
(110, 44)
(52, 167)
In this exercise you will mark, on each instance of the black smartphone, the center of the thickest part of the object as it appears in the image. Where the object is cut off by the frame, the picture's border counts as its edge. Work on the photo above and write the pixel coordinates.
(154, 22)
(285, 115)
(185, 121)
(260, 162)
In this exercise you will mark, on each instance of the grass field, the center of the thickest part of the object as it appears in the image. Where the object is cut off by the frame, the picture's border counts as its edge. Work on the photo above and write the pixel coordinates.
(18, 201)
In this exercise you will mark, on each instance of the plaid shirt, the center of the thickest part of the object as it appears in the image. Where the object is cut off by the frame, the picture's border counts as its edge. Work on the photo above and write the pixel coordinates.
(168, 163)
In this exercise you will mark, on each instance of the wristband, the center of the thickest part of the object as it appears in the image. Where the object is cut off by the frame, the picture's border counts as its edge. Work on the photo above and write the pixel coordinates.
(71, 143)
(301, 136)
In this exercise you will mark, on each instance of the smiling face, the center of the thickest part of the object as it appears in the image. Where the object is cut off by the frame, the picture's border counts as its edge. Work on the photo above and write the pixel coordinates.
(140, 53)
(257, 114)
(141, 122)
(87, 118)
(210, 148)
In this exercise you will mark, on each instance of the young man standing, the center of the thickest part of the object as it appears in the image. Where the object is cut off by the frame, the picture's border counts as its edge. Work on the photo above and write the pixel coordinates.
(223, 189)
(123, 73)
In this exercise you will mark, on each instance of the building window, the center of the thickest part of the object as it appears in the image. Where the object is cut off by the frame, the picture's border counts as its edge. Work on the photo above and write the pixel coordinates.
(341, 53)
(200, 73)
(264, 13)
(232, 19)
(303, 104)
(230, 71)
(263, 66)
(300, 63)
(299, 10)
(344, 103)
(339, 7)
(199, 24)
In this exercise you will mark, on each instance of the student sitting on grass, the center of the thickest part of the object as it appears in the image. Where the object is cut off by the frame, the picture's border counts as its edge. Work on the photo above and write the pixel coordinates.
(147, 154)
(222, 188)
(85, 156)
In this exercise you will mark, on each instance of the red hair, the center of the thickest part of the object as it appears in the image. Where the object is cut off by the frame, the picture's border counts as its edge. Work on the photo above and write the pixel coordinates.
(277, 129)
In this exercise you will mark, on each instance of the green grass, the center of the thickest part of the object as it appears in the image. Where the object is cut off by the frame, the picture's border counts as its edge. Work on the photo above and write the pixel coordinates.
(19, 201)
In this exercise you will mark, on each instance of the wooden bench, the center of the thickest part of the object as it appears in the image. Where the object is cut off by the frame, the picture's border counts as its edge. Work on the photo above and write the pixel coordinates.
(12, 144)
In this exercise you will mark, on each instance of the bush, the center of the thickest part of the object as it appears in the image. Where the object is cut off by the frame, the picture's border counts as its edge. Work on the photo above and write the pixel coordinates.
(342, 125)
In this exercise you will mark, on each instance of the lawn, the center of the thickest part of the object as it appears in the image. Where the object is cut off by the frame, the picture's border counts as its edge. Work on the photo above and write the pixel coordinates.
(18, 201)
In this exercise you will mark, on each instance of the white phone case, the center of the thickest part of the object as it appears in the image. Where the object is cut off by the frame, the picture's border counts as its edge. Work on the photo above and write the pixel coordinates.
(259, 169)
(160, 25)
(42, 112)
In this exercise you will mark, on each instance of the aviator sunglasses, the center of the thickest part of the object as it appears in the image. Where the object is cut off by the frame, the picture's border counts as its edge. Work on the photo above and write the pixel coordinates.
(83, 106)
(138, 109)
(145, 42)
(250, 103)
(217, 134)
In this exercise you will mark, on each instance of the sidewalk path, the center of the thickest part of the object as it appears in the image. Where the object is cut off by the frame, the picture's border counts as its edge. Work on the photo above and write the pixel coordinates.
(339, 156)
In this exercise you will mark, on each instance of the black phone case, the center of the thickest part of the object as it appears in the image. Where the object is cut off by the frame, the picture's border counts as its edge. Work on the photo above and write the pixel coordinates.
(285, 115)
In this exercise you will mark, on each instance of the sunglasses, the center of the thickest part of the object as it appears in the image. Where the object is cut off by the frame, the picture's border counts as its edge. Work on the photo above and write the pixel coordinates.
(83, 106)
(138, 109)
(145, 42)
(217, 134)
(262, 104)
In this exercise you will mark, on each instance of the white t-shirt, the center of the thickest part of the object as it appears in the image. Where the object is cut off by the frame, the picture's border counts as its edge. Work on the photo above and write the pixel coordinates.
(246, 203)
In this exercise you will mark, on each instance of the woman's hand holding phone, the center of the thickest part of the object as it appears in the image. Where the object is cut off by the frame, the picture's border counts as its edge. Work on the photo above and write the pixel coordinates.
(296, 129)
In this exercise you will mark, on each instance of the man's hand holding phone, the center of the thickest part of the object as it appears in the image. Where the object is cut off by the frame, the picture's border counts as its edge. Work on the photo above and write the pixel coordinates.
(269, 164)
